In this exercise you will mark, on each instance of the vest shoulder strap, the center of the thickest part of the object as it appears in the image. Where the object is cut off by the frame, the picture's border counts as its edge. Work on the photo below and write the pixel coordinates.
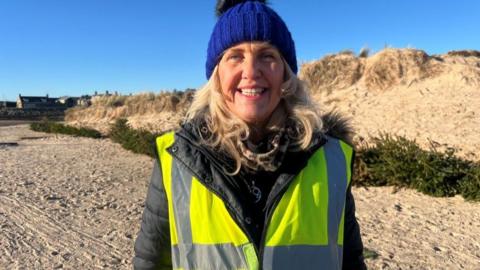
(347, 151)
(164, 141)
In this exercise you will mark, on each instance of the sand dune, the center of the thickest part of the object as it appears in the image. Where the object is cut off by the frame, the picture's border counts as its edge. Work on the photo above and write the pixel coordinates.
(427, 99)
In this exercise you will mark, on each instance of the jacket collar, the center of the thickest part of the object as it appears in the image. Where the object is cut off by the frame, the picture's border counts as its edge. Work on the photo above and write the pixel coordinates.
(198, 158)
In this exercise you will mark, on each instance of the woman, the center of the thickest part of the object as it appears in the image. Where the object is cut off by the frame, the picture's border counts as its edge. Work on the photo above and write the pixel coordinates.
(255, 178)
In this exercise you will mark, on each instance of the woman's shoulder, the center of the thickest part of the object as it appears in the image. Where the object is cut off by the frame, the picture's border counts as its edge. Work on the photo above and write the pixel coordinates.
(185, 129)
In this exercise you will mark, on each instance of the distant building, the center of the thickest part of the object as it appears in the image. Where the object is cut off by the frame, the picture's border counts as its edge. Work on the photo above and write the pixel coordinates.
(35, 102)
(39, 102)
(8, 104)
(68, 101)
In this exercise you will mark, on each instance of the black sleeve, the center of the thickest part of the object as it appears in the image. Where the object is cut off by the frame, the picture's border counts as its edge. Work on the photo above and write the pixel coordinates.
(352, 240)
(152, 246)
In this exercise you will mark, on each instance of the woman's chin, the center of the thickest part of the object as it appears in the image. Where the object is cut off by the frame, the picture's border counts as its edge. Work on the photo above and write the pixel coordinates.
(254, 116)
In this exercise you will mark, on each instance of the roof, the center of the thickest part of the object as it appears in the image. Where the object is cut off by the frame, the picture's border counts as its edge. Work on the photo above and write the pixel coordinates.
(37, 99)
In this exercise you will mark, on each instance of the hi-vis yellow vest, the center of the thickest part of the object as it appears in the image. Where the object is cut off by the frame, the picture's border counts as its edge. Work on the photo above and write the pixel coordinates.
(305, 230)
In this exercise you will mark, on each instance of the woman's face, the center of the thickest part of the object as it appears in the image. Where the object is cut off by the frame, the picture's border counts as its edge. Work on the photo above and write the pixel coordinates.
(251, 75)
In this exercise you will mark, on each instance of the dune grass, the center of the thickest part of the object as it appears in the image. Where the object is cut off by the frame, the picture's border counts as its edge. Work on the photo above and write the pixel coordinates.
(54, 127)
(117, 106)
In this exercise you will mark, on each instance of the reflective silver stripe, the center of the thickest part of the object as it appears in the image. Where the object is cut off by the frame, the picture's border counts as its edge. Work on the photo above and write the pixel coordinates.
(337, 185)
(181, 190)
(340, 253)
(197, 256)
(298, 257)
(185, 254)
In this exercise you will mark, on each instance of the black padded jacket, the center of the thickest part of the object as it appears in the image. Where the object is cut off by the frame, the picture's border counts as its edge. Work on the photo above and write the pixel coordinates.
(152, 246)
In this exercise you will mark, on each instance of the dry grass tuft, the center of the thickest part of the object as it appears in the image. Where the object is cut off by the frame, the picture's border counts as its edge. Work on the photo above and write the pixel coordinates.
(332, 72)
(364, 52)
(379, 72)
(397, 66)
(110, 108)
(465, 53)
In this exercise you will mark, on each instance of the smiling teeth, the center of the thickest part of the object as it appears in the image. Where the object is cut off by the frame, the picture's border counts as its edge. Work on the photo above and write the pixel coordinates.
(252, 92)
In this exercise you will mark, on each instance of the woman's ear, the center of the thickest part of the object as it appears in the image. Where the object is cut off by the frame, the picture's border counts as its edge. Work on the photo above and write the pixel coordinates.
(288, 85)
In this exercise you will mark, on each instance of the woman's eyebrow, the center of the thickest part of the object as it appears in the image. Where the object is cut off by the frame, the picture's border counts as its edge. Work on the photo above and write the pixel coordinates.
(234, 50)
(266, 49)
(259, 49)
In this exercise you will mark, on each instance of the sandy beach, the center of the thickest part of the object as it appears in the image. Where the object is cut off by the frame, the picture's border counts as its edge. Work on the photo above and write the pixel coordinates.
(70, 203)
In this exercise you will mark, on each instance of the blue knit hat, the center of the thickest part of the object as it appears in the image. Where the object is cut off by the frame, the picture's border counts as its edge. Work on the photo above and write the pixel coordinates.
(248, 20)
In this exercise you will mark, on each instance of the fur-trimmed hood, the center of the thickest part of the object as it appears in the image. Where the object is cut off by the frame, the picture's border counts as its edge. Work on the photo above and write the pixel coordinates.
(338, 126)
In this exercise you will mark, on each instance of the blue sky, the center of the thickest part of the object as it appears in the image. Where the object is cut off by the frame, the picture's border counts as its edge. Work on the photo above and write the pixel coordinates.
(67, 47)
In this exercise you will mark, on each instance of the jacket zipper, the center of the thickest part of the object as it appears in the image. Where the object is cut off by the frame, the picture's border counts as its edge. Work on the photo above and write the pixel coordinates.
(269, 217)
(236, 220)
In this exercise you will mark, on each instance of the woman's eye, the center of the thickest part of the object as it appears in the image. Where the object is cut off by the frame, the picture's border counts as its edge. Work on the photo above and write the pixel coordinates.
(234, 57)
(268, 56)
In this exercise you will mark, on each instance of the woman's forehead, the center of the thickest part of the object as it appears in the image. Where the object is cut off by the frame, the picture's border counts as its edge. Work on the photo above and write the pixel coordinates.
(251, 45)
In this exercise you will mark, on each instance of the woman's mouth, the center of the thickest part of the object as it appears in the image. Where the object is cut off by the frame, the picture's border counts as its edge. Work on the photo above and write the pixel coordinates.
(252, 92)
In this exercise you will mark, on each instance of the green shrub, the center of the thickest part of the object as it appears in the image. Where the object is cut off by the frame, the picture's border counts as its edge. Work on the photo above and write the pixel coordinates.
(53, 127)
(470, 185)
(400, 162)
(139, 141)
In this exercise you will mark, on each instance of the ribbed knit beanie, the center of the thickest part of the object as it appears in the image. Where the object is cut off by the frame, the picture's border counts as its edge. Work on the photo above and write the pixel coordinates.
(248, 20)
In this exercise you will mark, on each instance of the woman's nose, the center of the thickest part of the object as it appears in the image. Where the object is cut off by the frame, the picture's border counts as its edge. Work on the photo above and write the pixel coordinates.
(251, 69)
